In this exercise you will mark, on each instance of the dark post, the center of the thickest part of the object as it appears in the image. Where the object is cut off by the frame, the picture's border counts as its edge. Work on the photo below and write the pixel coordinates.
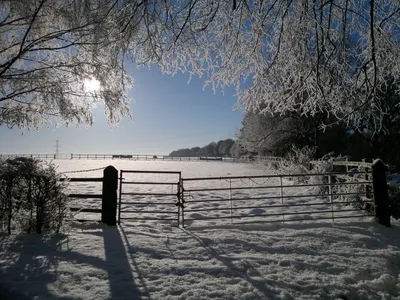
(380, 192)
(109, 200)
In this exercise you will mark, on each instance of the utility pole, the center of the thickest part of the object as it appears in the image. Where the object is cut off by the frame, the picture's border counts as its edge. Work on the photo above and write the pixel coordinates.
(57, 146)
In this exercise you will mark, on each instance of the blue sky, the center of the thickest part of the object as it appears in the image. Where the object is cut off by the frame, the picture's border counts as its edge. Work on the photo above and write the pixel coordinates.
(167, 114)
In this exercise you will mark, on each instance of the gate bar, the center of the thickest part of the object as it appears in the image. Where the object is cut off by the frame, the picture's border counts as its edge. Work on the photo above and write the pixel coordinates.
(120, 195)
(154, 172)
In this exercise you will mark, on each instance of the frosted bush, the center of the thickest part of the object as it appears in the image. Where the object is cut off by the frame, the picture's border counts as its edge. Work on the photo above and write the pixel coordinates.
(31, 196)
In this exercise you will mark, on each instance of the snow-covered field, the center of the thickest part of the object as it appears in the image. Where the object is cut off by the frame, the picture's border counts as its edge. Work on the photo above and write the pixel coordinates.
(346, 259)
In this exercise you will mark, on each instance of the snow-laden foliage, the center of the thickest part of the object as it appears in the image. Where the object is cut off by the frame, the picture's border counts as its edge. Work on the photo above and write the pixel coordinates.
(58, 60)
(332, 57)
(274, 135)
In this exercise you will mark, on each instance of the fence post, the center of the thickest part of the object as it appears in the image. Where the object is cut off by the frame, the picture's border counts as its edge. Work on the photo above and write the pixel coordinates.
(381, 198)
(109, 199)
(182, 201)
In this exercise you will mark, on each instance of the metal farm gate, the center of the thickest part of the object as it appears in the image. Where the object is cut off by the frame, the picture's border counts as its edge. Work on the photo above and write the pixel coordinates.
(169, 198)
(155, 200)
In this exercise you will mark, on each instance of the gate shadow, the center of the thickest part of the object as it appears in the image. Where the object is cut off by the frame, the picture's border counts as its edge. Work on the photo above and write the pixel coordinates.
(120, 275)
(32, 264)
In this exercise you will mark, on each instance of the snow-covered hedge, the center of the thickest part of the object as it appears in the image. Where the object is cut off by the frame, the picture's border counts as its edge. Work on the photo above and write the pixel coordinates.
(31, 196)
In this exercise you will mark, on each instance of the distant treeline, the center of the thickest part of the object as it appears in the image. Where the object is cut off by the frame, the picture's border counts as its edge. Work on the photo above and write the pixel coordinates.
(222, 148)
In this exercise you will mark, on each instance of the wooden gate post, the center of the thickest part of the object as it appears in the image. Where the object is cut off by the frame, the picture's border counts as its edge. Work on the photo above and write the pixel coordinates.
(109, 199)
(382, 211)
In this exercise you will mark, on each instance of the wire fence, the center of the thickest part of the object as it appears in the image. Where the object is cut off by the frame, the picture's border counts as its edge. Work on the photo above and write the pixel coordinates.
(141, 157)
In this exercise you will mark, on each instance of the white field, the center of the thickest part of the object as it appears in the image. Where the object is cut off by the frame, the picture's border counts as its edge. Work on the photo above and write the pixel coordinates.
(209, 259)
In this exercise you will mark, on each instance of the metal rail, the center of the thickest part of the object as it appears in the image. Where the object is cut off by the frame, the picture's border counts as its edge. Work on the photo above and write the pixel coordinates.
(151, 172)
(273, 176)
(149, 194)
(277, 197)
(148, 212)
(279, 186)
(149, 183)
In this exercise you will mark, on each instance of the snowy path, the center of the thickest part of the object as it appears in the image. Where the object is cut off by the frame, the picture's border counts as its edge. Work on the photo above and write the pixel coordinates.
(299, 261)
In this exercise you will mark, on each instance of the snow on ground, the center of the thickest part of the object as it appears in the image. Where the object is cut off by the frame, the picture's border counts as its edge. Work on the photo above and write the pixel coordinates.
(356, 260)
(353, 259)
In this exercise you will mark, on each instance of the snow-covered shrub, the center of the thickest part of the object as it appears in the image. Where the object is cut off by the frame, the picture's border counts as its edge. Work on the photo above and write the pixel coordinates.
(31, 196)
(358, 195)
(301, 161)
(301, 158)
(352, 193)
(298, 161)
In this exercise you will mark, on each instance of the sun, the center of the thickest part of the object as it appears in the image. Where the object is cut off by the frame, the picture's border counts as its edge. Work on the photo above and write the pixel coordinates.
(91, 84)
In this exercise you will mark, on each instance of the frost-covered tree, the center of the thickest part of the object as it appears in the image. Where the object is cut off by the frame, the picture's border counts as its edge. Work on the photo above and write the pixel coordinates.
(315, 57)
(58, 59)
(274, 134)
(236, 150)
(224, 147)
(331, 57)
(385, 143)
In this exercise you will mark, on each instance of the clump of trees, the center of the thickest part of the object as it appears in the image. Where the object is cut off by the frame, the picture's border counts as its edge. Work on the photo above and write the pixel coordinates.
(222, 148)
(31, 196)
